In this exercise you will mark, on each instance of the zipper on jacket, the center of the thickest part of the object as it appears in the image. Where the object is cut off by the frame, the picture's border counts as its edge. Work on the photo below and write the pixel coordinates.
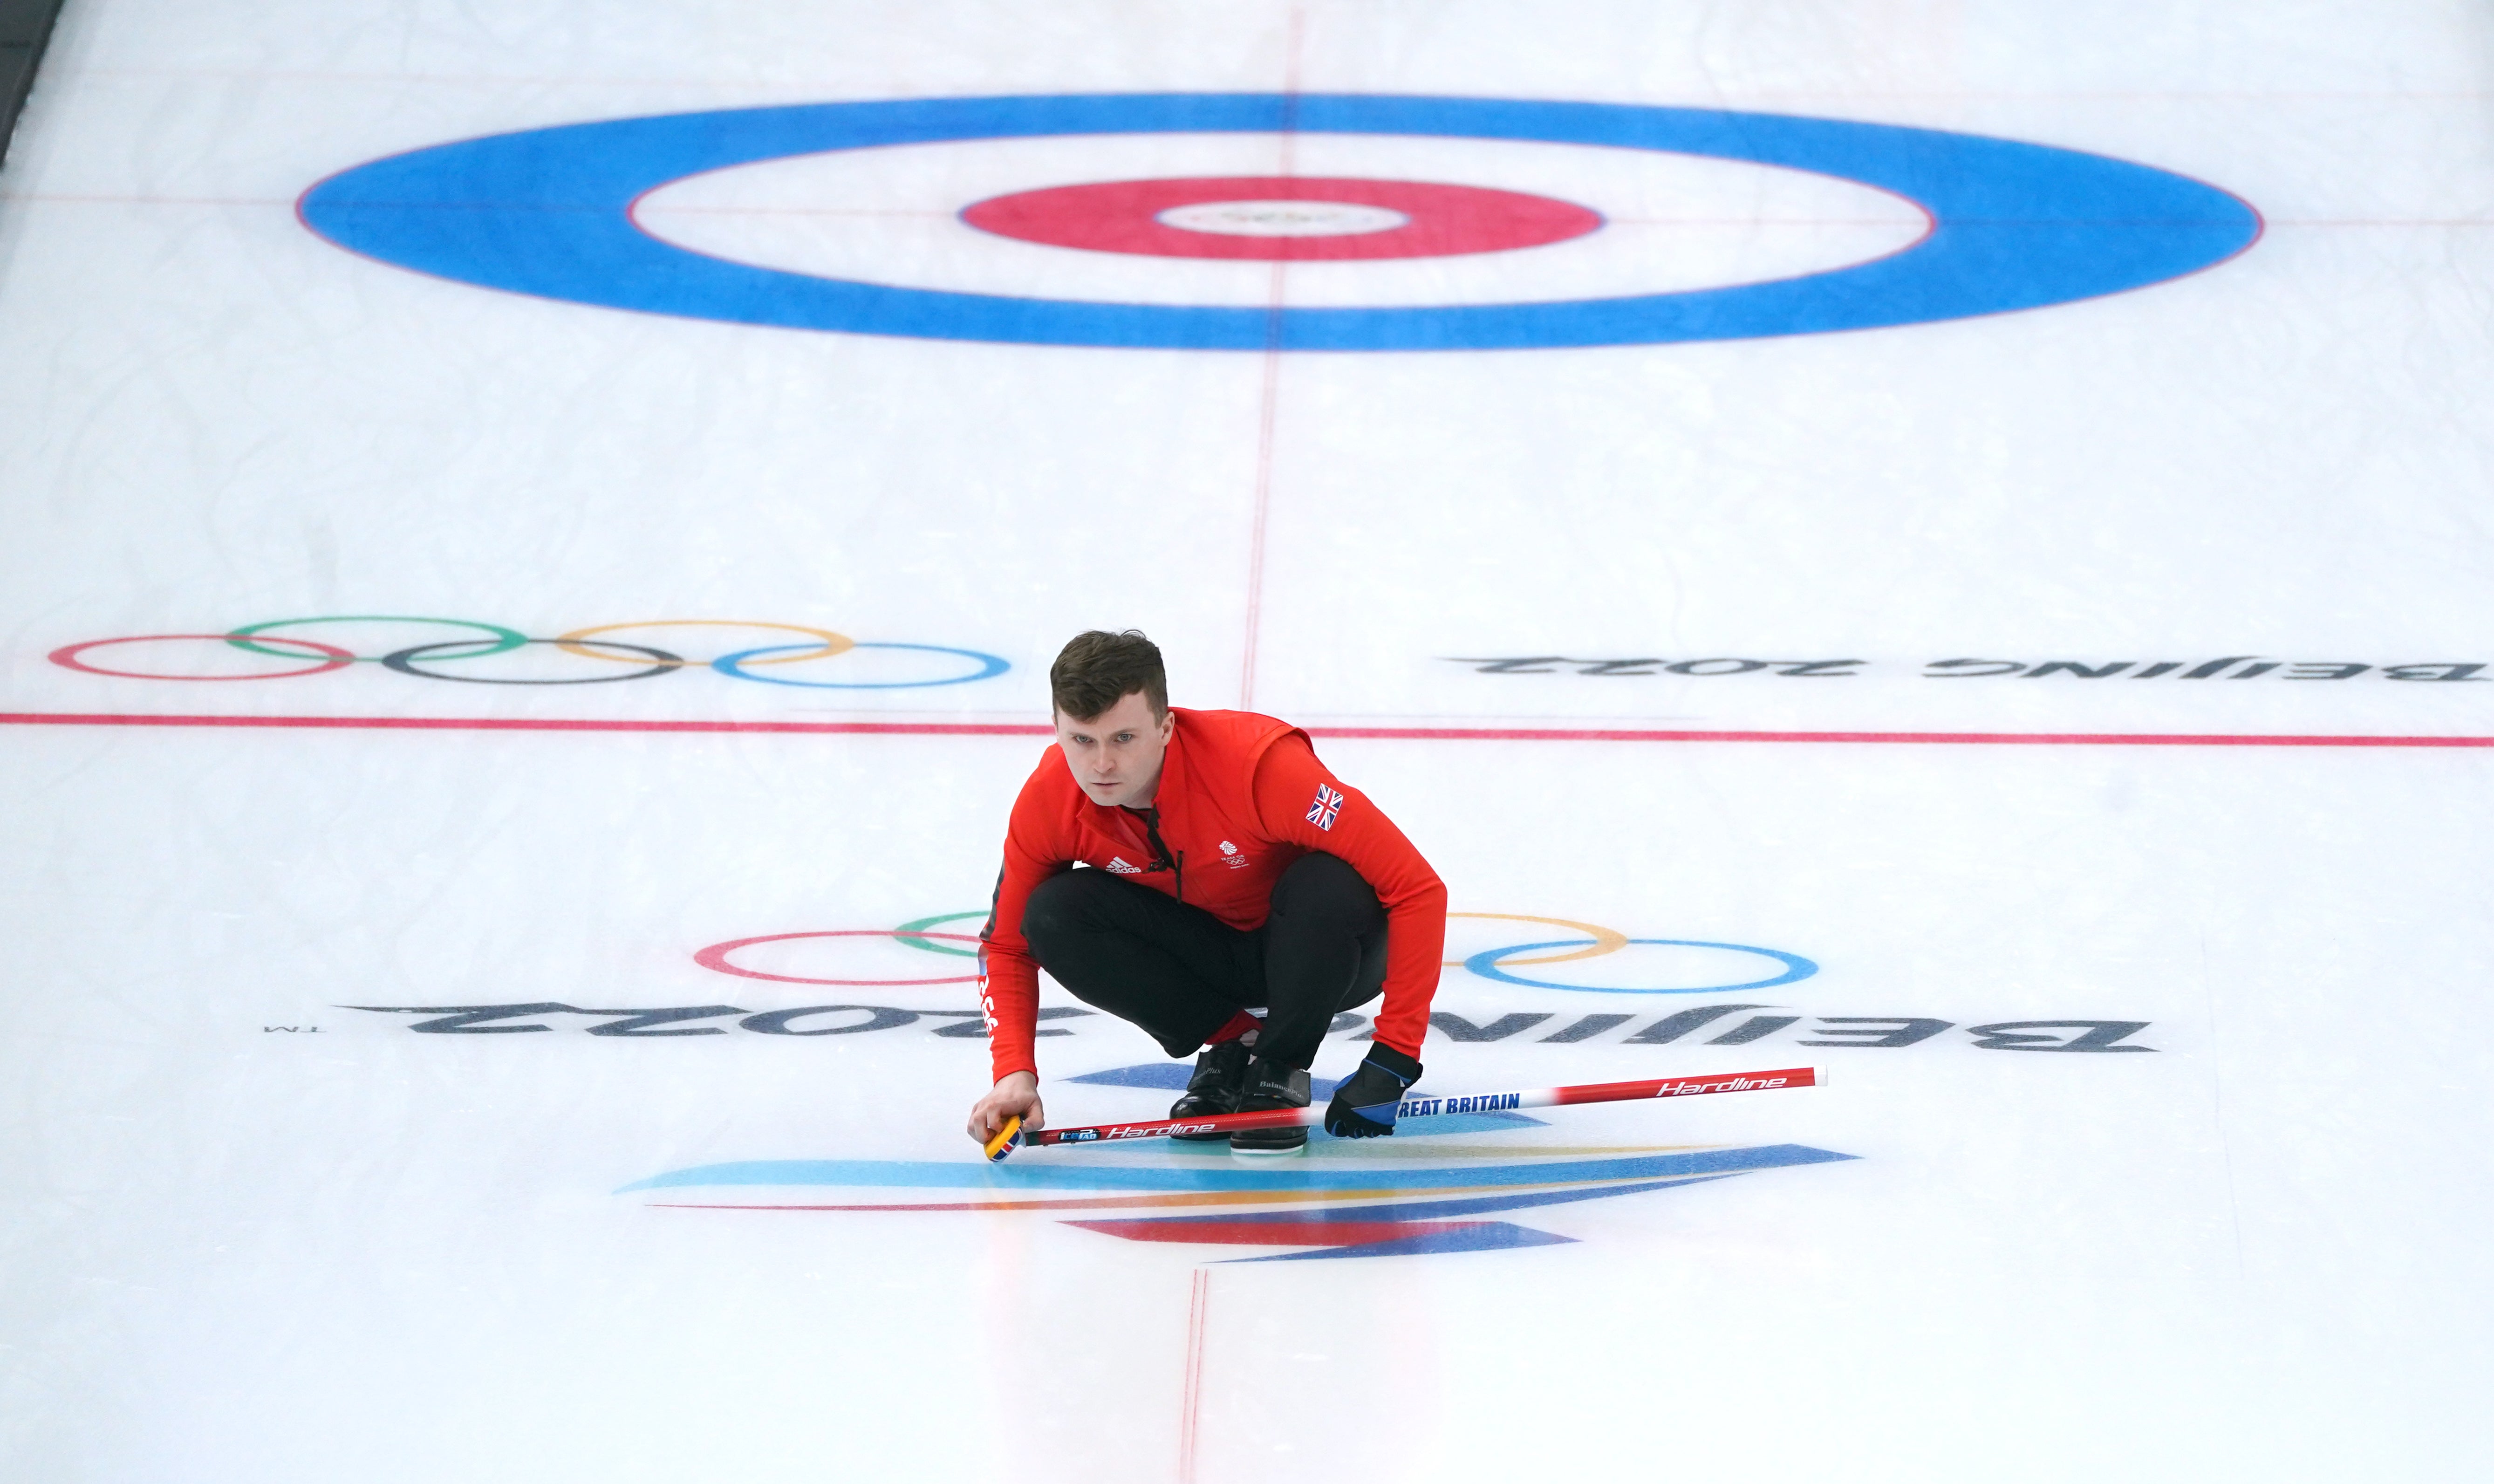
(1161, 860)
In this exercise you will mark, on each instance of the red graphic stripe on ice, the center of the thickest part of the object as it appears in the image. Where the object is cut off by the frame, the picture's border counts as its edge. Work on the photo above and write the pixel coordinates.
(1248, 1231)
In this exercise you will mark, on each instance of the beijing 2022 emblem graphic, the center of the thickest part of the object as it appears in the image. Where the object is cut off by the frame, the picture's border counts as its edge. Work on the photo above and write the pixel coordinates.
(1438, 1194)
(2010, 226)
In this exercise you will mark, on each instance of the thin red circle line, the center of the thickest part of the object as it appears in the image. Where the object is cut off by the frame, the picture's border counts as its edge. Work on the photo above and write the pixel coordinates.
(715, 956)
(1373, 734)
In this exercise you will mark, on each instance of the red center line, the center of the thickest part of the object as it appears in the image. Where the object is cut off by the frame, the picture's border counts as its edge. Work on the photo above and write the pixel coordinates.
(1197, 1299)
(1263, 498)
(1269, 399)
(929, 213)
(1357, 733)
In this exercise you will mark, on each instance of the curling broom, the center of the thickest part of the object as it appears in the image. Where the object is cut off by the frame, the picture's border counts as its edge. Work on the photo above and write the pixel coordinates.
(1013, 1136)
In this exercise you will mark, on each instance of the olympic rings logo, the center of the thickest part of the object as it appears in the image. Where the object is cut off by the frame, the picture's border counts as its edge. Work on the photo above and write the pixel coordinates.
(1489, 963)
(441, 659)
(1598, 942)
(907, 934)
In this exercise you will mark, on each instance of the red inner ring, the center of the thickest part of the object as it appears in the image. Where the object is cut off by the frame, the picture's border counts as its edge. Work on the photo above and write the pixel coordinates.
(331, 657)
(1118, 216)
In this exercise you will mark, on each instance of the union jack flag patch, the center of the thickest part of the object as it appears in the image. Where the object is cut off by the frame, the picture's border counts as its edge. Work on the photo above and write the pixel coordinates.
(1328, 803)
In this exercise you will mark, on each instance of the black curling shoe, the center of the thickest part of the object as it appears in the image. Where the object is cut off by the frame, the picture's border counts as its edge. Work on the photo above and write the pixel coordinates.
(1220, 1078)
(1269, 1087)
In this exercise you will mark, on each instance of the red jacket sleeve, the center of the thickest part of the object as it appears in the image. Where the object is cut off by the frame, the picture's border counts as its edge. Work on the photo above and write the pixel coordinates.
(1008, 976)
(1288, 779)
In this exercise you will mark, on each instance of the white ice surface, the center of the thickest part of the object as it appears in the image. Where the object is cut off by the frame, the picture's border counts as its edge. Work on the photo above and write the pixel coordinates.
(239, 1252)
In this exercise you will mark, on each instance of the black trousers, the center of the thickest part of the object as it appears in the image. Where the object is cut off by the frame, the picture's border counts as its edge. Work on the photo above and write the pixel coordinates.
(1180, 973)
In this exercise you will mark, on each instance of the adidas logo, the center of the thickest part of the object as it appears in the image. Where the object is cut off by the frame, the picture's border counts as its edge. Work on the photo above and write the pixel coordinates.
(1118, 864)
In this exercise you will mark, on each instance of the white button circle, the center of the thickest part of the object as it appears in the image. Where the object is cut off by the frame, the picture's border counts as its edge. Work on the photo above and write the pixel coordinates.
(1281, 219)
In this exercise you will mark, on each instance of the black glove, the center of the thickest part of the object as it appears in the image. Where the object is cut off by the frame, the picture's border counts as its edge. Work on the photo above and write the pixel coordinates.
(1363, 1106)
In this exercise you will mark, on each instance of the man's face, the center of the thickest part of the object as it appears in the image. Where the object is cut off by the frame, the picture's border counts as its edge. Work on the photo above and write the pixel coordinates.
(1117, 755)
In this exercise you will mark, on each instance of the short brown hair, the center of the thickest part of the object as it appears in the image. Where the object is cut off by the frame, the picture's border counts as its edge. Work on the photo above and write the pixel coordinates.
(1097, 669)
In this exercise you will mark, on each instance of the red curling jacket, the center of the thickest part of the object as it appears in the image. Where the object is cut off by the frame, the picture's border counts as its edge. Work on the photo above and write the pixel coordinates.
(1240, 796)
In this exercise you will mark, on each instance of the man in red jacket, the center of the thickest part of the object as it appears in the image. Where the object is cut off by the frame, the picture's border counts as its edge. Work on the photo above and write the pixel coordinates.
(1239, 896)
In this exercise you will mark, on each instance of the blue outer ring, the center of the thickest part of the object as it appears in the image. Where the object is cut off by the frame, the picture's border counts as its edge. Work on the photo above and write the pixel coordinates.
(1485, 964)
(546, 212)
(732, 665)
